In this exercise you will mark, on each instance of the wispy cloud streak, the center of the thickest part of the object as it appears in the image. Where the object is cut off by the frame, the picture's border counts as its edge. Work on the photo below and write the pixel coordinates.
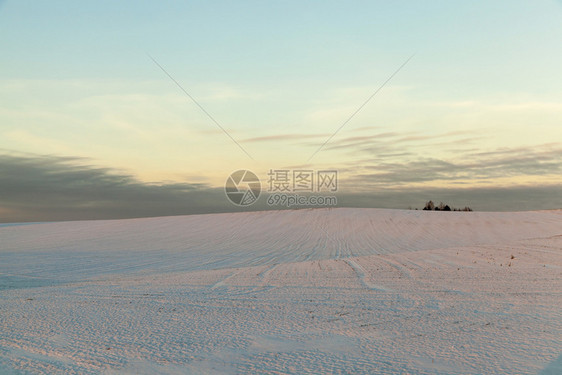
(201, 107)
(360, 107)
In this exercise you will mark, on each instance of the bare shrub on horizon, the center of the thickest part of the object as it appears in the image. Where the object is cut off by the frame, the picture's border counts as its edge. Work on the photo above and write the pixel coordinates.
(430, 206)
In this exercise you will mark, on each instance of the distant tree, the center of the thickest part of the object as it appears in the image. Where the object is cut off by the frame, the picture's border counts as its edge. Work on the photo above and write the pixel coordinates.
(429, 206)
(446, 208)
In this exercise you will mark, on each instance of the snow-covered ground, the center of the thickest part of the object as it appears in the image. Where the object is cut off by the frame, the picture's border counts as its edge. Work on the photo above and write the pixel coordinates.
(306, 291)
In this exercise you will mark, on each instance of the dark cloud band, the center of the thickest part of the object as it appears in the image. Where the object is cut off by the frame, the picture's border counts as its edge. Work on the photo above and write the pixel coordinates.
(51, 188)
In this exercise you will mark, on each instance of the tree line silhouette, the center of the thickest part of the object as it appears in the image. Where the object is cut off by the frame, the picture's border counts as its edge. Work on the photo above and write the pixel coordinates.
(430, 206)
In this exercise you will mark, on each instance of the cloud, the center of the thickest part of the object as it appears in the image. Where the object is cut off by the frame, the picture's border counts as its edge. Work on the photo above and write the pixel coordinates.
(355, 143)
(34, 187)
(539, 161)
(225, 92)
(283, 137)
(390, 159)
(54, 188)
(389, 140)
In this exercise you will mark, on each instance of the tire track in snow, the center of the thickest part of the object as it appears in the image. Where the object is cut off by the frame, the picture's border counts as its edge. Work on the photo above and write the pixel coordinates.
(223, 282)
(360, 273)
(398, 266)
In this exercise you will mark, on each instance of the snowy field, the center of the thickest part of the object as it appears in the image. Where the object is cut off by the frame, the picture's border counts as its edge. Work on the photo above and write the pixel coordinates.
(360, 291)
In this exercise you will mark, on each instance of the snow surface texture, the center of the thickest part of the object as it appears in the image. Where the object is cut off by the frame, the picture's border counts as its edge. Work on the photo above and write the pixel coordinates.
(306, 291)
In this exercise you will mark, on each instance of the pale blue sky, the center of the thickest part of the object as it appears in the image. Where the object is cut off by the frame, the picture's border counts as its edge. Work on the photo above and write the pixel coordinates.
(262, 43)
(485, 83)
